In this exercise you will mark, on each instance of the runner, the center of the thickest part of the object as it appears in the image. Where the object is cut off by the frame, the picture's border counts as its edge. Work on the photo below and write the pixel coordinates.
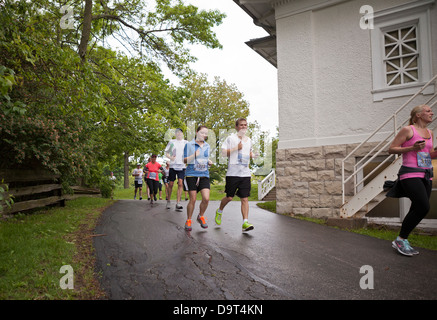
(238, 148)
(165, 172)
(161, 182)
(196, 155)
(415, 143)
(152, 169)
(138, 174)
(175, 152)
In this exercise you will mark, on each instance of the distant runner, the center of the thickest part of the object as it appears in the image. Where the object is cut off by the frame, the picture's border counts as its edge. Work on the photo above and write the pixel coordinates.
(138, 174)
(152, 169)
(175, 152)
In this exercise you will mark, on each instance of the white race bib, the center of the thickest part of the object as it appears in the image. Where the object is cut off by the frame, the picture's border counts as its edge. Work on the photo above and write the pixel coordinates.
(200, 164)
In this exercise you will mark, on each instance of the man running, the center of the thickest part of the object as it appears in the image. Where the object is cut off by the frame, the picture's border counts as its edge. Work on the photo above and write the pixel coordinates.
(138, 174)
(238, 148)
(175, 152)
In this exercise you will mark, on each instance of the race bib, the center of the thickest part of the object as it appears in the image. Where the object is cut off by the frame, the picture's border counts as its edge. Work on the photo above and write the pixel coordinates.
(424, 160)
(152, 175)
(200, 164)
(243, 159)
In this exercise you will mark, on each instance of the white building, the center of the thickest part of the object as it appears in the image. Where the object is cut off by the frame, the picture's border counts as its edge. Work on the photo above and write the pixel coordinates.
(344, 67)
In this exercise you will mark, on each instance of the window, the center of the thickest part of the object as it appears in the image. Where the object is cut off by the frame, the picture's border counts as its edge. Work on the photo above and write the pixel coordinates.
(401, 50)
(401, 56)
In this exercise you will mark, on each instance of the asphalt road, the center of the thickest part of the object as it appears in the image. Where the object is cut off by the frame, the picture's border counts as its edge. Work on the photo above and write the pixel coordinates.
(145, 253)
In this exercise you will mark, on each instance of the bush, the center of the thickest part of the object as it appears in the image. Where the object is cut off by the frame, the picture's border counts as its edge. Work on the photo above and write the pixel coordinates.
(107, 187)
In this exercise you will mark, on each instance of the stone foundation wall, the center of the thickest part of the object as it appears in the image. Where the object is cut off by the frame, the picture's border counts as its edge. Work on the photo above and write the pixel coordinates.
(308, 180)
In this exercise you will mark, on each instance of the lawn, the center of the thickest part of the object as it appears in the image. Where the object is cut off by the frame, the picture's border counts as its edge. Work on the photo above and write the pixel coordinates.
(417, 238)
(217, 193)
(34, 247)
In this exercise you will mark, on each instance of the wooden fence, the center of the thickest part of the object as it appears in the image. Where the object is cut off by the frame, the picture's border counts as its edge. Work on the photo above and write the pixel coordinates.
(32, 189)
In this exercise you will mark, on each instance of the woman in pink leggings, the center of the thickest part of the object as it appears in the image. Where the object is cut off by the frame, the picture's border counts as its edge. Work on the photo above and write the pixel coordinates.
(415, 143)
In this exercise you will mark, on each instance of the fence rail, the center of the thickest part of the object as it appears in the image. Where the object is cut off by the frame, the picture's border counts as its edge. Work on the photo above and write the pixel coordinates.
(31, 189)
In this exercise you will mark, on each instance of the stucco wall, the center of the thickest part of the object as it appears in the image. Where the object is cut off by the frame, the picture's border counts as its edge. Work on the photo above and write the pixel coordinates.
(326, 104)
(325, 75)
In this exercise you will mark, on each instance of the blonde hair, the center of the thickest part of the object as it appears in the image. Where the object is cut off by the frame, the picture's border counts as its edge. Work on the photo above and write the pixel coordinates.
(414, 112)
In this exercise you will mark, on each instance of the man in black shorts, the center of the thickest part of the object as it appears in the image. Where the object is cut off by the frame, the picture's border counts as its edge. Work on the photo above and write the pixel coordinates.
(138, 174)
(238, 148)
(175, 152)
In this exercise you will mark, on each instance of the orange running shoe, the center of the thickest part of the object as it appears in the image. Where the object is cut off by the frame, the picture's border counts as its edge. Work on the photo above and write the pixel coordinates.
(188, 225)
(202, 221)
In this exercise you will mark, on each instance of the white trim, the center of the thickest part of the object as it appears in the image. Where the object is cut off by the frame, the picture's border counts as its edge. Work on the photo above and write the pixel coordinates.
(333, 140)
(424, 224)
(287, 8)
(401, 91)
(403, 10)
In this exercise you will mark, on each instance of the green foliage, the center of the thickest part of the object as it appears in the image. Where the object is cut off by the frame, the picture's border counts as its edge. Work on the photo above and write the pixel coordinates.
(5, 197)
(107, 187)
(71, 113)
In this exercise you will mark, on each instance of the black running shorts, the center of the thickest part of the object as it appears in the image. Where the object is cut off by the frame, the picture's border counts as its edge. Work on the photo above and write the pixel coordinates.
(238, 185)
(196, 183)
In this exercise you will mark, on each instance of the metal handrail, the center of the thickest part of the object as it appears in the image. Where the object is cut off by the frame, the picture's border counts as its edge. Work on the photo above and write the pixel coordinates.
(396, 127)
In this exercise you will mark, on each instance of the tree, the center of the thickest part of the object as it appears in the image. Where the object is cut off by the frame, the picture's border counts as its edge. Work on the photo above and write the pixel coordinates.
(161, 34)
(145, 104)
(216, 105)
(70, 102)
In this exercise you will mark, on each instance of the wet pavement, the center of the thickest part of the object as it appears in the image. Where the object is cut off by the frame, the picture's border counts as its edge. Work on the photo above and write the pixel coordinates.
(145, 253)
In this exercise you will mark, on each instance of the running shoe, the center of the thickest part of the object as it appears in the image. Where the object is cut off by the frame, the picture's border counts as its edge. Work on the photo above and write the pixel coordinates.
(402, 247)
(412, 250)
(188, 225)
(168, 204)
(178, 206)
(141, 198)
(247, 226)
(218, 217)
(135, 197)
(202, 221)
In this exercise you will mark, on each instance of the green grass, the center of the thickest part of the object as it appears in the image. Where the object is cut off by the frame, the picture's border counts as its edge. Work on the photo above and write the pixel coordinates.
(416, 238)
(268, 205)
(35, 246)
(217, 193)
(381, 232)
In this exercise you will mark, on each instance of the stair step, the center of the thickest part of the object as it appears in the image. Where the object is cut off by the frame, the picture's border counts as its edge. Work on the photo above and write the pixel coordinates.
(271, 196)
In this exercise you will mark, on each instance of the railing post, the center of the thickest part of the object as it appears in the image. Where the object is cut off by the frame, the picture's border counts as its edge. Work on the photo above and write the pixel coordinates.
(343, 191)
